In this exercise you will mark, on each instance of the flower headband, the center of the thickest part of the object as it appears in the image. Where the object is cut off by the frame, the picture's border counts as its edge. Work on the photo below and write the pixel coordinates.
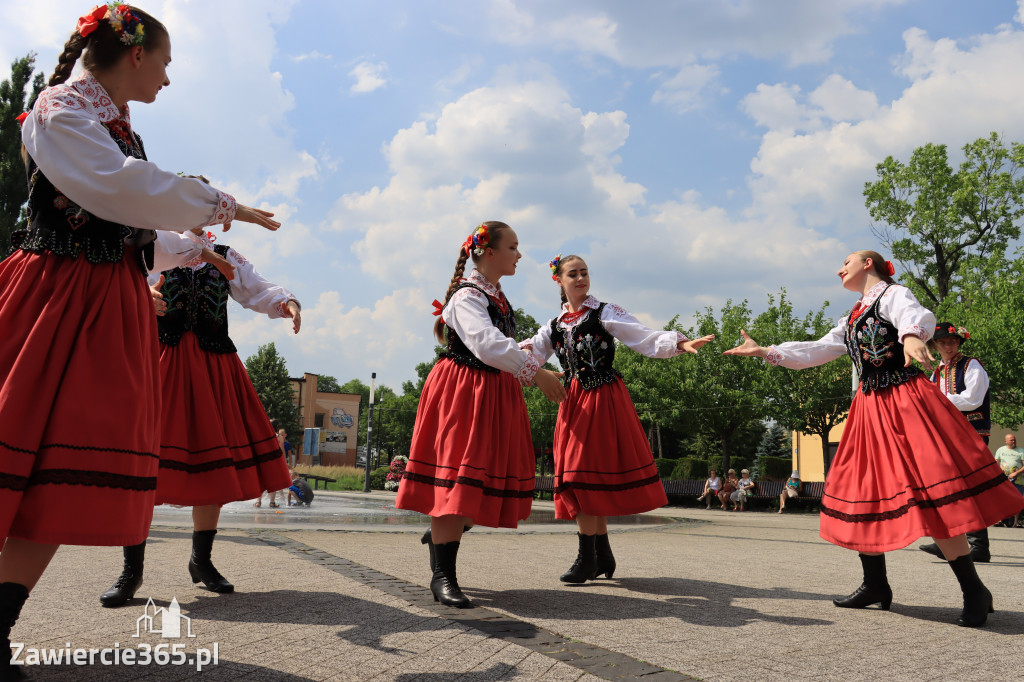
(554, 266)
(128, 26)
(477, 241)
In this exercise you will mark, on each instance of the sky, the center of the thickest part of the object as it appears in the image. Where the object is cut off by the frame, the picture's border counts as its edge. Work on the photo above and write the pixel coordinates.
(691, 151)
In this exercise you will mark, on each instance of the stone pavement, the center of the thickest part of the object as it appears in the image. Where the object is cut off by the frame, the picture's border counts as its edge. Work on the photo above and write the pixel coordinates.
(708, 594)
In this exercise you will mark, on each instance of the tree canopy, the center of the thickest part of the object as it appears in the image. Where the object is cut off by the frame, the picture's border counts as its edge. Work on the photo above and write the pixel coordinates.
(15, 99)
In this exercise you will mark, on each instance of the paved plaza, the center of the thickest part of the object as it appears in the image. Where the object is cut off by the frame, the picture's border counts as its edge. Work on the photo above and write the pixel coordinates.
(697, 595)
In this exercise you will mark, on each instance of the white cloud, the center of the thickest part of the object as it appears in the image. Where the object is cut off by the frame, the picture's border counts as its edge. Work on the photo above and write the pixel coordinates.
(368, 76)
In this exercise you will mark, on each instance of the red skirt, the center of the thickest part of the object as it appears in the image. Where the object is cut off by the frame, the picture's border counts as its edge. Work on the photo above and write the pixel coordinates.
(471, 452)
(217, 444)
(603, 462)
(909, 466)
(79, 400)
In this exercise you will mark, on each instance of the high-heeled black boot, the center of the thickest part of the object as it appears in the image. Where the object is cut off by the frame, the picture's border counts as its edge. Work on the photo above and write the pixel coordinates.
(977, 598)
(978, 541)
(875, 588)
(445, 583)
(201, 568)
(428, 540)
(130, 580)
(585, 566)
(12, 598)
(605, 558)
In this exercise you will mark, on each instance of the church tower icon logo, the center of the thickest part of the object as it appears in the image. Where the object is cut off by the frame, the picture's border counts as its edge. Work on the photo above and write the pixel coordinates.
(170, 621)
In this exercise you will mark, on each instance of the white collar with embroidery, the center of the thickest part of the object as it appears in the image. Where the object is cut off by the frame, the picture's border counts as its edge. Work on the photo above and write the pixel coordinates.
(90, 88)
(588, 302)
(476, 278)
(872, 294)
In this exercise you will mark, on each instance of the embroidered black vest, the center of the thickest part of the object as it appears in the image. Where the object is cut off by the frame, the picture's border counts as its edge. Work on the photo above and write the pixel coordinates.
(62, 227)
(956, 382)
(874, 346)
(197, 302)
(585, 352)
(504, 321)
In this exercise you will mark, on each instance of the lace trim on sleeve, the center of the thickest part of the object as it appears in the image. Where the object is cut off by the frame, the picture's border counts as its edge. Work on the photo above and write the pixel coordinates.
(774, 357)
(528, 371)
(914, 330)
(226, 208)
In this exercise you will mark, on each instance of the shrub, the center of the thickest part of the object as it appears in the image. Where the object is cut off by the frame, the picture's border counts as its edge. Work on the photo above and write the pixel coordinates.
(665, 466)
(689, 468)
(378, 476)
(395, 471)
(346, 478)
(776, 468)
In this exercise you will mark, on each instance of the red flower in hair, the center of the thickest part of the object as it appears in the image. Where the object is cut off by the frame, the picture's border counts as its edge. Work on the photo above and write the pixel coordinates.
(889, 268)
(468, 244)
(87, 23)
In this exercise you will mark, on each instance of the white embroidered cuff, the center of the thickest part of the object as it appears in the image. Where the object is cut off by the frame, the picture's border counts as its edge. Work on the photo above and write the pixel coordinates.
(774, 357)
(528, 371)
(914, 330)
(226, 207)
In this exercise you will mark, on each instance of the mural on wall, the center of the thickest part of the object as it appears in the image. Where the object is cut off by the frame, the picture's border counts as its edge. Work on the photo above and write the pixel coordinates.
(341, 418)
(336, 441)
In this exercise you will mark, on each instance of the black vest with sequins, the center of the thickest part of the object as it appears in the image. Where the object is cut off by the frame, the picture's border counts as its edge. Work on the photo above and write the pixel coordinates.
(504, 321)
(874, 346)
(585, 352)
(956, 382)
(197, 302)
(60, 226)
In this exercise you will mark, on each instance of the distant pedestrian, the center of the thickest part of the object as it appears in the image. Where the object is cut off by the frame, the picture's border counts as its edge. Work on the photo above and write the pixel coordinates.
(791, 489)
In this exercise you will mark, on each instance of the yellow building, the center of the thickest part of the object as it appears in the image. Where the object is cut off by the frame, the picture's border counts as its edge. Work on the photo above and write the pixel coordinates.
(808, 453)
(335, 414)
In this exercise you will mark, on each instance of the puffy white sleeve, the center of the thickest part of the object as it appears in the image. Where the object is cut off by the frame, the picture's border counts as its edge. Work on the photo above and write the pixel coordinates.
(466, 313)
(76, 153)
(976, 386)
(804, 354)
(541, 344)
(254, 291)
(907, 314)
(637, 336)
(175, 250)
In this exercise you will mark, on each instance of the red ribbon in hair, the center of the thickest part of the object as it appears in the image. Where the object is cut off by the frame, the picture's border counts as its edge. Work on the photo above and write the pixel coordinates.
(889, 268)
(87, 23)
(21, 118)
(438, 307)
(468, 244)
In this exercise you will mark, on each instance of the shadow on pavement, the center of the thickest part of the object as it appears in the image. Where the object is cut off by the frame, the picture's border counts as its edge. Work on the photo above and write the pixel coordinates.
(498, 671)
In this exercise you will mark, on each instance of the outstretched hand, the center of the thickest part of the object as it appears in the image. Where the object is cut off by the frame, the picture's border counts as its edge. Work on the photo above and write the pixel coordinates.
(694, 345)
(293, 311)
(159, 304)
(549, 384)
(916, 349)
(218, 261)
(256, 216)
(749, 348)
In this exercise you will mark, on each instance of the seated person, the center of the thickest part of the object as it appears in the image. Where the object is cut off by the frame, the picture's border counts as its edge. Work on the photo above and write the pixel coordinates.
(300, 489)
(712, 487)
(792, 489)
(729, 487)
(744, 487)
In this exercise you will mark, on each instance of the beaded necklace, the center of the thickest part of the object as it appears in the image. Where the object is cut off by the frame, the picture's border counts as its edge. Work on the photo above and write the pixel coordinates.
(569, 318)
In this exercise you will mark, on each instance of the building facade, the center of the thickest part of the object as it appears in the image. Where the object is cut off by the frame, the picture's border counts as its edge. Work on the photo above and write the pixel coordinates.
(335, 414)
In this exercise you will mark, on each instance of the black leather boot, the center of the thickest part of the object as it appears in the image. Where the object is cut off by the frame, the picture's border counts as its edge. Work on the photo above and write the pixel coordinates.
(428, 540)
(585, 566)
(12, 598)
(201, 568)
(875, 588)
(445, 583)
(978, 540)
(977, 598)
(130, 580)
(605, 558)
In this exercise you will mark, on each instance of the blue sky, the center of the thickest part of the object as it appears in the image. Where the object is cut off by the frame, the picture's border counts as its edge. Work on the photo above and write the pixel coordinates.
(691, 151)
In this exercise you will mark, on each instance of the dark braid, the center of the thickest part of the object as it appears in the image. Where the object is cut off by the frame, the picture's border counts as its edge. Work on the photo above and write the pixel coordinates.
(558, 271)
(68, 58)
(496, 229)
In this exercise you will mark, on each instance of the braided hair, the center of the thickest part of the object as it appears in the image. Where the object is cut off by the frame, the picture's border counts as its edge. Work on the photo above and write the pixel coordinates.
(496, 229)
(103, 46)
(560, 268)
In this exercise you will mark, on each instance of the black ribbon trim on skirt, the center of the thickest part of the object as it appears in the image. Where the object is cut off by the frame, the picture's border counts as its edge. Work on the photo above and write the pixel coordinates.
(468, 466)
(465, 480)
(607, 487)
(923, 504)
(225, 463)
(83, 448)
(13, 482)
(249, 446)
(919, 489)
(99, 479)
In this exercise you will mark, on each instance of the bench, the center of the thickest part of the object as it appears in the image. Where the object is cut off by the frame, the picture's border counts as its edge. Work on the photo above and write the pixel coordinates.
(317, 479)
(544, 484)
(770, 490)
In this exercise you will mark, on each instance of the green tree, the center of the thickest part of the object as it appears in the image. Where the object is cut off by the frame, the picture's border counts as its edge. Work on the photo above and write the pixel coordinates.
(940, 223)
(269, 376)
(13, 185)
(328, 384)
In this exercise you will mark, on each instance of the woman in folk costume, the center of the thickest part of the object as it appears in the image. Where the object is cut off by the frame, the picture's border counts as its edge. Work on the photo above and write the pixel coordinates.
(603, 462)
(217, 444)
(909, 465)
(471, 458)
(78, 461)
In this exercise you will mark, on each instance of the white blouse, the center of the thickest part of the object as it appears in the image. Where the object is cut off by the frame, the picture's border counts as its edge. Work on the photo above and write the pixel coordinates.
(174, 250)
(466, 313)
(975, 386)
(249, 288)
(617, 322)
(66, 138)
(898, 305)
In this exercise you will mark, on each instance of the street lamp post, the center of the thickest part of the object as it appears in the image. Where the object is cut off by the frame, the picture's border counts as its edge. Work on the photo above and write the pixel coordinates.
(369, 432)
